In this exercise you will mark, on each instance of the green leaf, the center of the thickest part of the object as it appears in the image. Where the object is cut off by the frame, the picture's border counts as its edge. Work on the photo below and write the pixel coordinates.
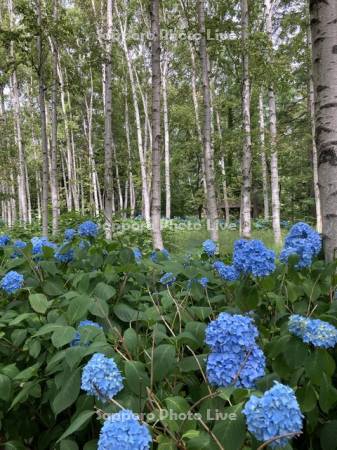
(69, 393)
(67, 444)
(164, 361)
(77, 423)
(231, 432)
(131, 340)
(126, 314)
(78, 308)
(327, 394)
(63, 336)
(5, 388)
(39, 303)
(104, 291)
(136, 377)
(328, 436)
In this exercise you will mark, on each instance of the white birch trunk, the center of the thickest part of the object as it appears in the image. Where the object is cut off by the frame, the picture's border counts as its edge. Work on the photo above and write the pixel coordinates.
(264, 168)
(166, 140)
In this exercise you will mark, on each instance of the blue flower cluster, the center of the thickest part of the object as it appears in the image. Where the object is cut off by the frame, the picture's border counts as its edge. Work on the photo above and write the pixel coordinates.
(251, 257)
(277, 413)
(168, 279)
(154, 255)
(303, 241)
(209, 247)
(69, 234)
(12, 282)
(88, 229)
(123, 431)
(226, 272)
(101, 377)
(64, 254)
(137, 254)
(203, 281)
(4, 240)
(85, 323)
(39, 243)
(235, 357)
(313, 331)
(18, 246)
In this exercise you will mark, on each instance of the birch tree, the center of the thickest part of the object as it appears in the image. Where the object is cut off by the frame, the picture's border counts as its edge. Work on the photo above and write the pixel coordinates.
(166, 138)
(212, 212)
(323, 26)
(264, 167)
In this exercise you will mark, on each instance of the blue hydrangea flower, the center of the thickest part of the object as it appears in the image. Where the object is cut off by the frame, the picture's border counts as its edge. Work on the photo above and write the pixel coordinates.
(251, 257)
(12, 282)
(209, 247)
(313, 331)
(277, 413)
(88, 229)
(303, 241)
(243, 368)
(18, 246)
(138, 254)
(101, 377)
(231, 332)
(69, 234)
(164, 252)
(64, 256)
(226, 272)
(85, 323)
(203, 281)
(167, 279)
(39, 243)
(123, 431)
(4, 240)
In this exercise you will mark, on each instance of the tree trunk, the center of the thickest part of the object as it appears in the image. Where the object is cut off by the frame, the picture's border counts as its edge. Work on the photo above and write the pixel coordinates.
(166, 140)
(246, 226)
(108, 186)
(323, 27)
(55, 204)
(156, 137)
(223, 168)
(275, 185)
(212, 213)
(44, 139)
(264, 168)
(128, 143)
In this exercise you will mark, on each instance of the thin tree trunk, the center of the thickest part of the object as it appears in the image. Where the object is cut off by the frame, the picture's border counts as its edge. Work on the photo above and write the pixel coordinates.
(264, 168)
(274, 173)
(156, 137)
(223, 168)
(323, 27)
(44, 139)
(55, 204)
(212, 212)
(108, 187)
(166, 140)
(247, 145)
(128, 143)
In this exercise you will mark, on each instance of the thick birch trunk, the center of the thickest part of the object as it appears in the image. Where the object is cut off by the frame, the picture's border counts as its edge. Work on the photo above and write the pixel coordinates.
(156, 137)
(212, 212)
(246, 226)
(323, 27)
(264, 168)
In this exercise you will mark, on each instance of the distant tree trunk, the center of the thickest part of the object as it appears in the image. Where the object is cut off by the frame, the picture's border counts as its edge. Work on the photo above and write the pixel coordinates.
(44, 139)
(274, 173)
(246, 226)
(55, 204)
(212, 212)
(156, 137)
(108, 187)
(22, 194)
(166, 141)
(128, 143)
(323, 27)
(311, 107)
(223, 168)
(264, 167)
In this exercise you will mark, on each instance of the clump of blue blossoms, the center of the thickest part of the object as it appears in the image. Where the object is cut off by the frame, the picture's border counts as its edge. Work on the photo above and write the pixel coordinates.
(302, 241)
(69, 234)
(123, 431)
(137, 254)
(88, 229)
(168, 279)
(4, 240)
(203, 281)
(154, 255)
(12, 282)
(313, 331)
(85, 323)
(277, 413)
(209, 247)
(39, 243)
(251, 257)
(226, 272)
(235, 358)
(18, 247)
(101, 377)
(64, 255)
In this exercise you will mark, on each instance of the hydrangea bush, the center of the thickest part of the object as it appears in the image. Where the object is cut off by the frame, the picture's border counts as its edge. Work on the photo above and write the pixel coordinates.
(246, 342)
